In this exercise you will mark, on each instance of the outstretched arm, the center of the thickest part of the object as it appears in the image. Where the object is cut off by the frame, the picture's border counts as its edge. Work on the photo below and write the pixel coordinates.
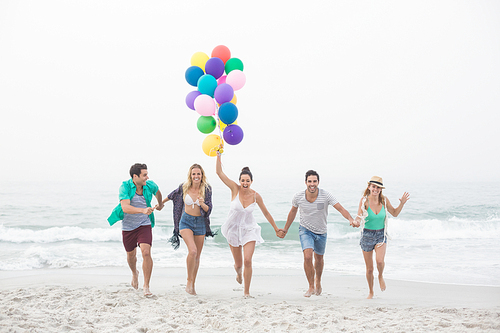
(225, 179)
(290, 218)
(279, 232)
(344, 213)
(395, 211)
(158, 196)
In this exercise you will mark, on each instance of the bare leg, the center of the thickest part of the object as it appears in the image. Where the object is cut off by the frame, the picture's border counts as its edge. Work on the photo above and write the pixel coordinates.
(199, 240)
(368, 256)
(248, 250)
(147, 266)
(309, 270)
(318, 268)
(188, 237)
(379, 257)
(238, 262)
(132, 263)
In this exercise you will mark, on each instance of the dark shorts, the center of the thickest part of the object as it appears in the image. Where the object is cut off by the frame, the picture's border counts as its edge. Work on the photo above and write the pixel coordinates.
(194, 223)
(371, 238)
(133, 238)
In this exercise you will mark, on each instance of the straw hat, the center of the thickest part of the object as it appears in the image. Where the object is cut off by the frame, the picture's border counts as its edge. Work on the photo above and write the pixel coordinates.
(377, 181)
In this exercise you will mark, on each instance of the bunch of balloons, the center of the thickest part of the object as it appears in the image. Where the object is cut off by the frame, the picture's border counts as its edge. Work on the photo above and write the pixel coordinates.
(216, 78)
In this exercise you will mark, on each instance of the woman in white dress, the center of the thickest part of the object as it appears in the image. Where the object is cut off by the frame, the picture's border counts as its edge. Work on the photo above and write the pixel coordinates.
(240, 229)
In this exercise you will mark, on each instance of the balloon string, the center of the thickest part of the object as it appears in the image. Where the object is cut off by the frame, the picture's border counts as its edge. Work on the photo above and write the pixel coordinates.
(221, 144)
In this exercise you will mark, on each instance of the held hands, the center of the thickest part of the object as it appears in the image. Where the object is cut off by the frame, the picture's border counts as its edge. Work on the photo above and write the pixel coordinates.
(281, 233)
(356, 223)
(148, 210)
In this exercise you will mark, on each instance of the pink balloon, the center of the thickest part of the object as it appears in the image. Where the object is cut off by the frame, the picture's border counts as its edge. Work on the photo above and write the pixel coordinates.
(222, 79)
(204, 105)
(236, 79)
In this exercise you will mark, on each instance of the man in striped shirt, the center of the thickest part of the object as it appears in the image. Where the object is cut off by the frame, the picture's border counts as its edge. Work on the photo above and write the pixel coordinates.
(313, 204)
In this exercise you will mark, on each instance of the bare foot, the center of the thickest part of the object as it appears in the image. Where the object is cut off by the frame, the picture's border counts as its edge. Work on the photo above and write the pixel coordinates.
(147, 292)
(190, 290)
(239, 278)
(382, 283)
(370, 296)
(309, 292)
(135, 280)
(247, 296)
(318, 291)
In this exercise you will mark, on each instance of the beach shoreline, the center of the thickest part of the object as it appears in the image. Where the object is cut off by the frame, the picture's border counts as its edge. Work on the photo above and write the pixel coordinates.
(102, 300)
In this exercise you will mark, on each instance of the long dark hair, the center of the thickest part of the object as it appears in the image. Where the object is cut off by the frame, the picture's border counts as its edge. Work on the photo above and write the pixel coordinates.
(246, 171)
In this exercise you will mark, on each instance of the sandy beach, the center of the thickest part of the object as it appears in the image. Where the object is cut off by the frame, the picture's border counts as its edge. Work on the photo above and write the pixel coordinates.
(102, 300)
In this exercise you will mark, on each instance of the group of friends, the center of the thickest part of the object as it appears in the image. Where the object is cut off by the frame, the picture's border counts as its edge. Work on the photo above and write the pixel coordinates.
(192, 205)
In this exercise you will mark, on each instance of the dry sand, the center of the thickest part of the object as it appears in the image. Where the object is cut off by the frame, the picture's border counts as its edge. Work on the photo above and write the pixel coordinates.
(102, 300)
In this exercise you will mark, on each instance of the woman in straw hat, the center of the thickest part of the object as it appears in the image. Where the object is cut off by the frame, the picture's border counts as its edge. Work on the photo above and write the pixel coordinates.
(372, 213)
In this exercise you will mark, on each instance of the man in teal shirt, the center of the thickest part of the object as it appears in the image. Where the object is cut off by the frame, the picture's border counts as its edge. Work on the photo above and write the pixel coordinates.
(137, 218)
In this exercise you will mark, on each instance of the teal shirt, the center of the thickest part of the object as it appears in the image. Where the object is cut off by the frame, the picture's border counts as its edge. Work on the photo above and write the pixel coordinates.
(127, 191)
(375, 221)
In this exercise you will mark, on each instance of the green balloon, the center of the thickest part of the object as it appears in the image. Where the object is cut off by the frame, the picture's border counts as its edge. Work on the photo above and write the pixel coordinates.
(232, 64)
(206, 124)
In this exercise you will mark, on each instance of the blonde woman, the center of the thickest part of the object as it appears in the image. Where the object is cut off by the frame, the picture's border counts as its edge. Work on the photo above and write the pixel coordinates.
(373, 214)
(241, 230)
(192, 207)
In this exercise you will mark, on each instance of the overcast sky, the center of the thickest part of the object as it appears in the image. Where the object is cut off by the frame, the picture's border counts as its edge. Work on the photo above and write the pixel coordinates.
(408, 90)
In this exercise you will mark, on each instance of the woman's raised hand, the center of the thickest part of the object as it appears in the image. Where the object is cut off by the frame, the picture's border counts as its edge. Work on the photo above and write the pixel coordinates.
(405, 198)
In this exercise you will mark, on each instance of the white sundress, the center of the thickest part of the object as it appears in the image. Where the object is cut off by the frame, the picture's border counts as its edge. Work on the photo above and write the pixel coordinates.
(240, 226)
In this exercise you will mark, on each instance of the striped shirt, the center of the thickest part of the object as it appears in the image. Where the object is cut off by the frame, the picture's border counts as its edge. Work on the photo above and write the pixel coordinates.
(133, 221)
(313, 214)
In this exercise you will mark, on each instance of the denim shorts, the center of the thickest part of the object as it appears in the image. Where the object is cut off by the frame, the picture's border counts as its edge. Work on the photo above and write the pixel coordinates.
(371, 238)
(310, 240)
(195, 223)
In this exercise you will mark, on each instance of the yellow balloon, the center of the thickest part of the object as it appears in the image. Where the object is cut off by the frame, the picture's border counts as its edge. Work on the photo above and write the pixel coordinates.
(234, 100)
(199, 59)
(211, 144)
(222, 125)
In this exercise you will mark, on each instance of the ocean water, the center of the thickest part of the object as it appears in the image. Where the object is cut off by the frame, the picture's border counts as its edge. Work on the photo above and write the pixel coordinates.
(446, 233)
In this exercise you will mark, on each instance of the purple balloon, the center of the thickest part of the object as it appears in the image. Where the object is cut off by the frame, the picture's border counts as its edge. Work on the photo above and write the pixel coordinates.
(233, 134)
(214, 67)
(223, 93)
(191, 97)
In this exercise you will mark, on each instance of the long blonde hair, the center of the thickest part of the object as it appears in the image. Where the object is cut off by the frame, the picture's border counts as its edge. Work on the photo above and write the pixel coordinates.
(381, 198)
(189, 183)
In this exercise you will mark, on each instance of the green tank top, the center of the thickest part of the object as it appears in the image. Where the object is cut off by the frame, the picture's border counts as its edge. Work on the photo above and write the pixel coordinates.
(375, 221)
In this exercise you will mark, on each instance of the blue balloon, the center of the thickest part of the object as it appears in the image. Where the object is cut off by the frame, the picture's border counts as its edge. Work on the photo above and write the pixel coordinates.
(207, 84)
(193, 74)
(215, 67)
(228, 112)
